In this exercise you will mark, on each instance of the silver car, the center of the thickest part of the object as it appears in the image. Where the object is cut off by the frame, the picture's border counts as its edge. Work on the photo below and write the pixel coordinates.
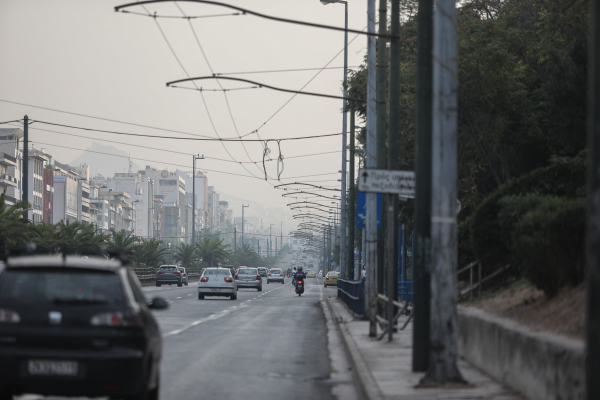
(217, 282)
(275, 275)
(248, 278)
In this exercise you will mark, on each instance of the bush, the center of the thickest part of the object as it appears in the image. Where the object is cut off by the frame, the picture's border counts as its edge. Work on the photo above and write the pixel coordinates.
(548, 243)
(489, 242)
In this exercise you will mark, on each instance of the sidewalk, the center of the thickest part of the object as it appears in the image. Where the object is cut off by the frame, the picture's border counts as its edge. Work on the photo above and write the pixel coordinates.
(384, 368)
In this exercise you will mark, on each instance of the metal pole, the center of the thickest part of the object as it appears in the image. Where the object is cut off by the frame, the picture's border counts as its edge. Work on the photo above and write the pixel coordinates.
(390, 286)
(371, 223)
(352, 212)
(25, 171)
(421, 269)
(382, 74)
(394, 146)
(344, 151)
(444, 233)
(235, 240)
(194, 202)
(593, 211)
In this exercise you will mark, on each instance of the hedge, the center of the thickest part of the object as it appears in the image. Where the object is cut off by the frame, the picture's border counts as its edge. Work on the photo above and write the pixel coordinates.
(488, 241)
(548, 243)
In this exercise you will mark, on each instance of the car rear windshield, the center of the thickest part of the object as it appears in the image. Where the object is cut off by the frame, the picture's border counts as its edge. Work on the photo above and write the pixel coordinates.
(275, 271)
(213, 272)
(246, 271)
(52, 286)
(168, 268)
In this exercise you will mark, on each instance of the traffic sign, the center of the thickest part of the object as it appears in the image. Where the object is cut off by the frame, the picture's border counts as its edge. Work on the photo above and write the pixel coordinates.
(386, 181)
(326, 259)
(361, 210)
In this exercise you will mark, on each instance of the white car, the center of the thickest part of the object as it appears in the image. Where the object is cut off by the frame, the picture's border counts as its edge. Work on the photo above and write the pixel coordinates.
(217, 282)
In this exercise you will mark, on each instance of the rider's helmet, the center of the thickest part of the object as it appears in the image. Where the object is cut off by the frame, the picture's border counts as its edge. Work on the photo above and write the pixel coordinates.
(300, 269)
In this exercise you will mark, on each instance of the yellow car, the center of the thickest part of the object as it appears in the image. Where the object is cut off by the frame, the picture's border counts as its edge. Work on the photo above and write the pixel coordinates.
(311, 274)
(331, 278)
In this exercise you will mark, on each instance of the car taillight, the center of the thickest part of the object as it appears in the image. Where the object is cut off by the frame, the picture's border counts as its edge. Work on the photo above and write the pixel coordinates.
(269, 274)
(115, 319)
(258, 277)
(160, 272)
(205, 279)
(228, 280)
(280, 274)
(9, 316)
(177, 273)
(326, 276)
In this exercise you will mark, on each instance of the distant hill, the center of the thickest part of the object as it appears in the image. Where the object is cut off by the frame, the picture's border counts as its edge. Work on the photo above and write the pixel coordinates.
(98, 157)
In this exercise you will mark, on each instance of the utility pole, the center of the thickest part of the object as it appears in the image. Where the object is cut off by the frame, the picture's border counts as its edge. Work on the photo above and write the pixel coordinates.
(270, 241)
(444, 233)
(198, 157)
(352, 212)
(25, 171)
(422, 271)
(235, 240)
(393, 162)
(593, 211)
(344, 151)
(371, 223)
(382, 74)
(243, 206)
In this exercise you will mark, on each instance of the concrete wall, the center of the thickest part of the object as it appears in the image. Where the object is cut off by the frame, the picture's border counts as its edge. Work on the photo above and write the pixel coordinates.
(541, 366)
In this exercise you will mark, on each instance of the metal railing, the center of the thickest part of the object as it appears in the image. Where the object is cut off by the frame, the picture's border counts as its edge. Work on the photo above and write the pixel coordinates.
(403, 308)
(148, 275)
(477, 285)
(353, 294)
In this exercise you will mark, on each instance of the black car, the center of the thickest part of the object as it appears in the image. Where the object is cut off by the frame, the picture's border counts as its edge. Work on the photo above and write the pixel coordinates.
(263, 272)
(77, 327)
(168, 275)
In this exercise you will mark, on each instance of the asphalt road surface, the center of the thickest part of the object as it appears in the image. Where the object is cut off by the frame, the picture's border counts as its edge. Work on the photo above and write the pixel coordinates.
(270, 345)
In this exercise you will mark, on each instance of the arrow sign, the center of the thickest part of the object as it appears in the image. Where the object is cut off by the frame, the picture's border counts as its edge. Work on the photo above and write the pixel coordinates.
(387, 181)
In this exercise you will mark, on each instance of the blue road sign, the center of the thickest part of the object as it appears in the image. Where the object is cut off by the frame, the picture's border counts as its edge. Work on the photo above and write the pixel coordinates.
(326, 259)
(319, 264)
(361, 210)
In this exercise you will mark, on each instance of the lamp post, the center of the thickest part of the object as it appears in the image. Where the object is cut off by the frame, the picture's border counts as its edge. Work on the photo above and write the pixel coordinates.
(134, 218)
(344, 139)
(197, 157)
(109, 216)
(243, 206)
(270, 241)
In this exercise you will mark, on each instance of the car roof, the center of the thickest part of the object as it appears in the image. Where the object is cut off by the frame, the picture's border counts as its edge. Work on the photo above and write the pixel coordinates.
(58, 261)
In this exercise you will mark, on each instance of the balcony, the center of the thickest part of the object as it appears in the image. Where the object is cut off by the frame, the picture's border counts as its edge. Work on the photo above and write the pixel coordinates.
(7, 180)
(7, 161)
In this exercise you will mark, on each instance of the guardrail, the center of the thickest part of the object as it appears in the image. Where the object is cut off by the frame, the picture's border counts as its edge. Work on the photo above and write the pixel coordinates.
(148, 275)
(353, 294)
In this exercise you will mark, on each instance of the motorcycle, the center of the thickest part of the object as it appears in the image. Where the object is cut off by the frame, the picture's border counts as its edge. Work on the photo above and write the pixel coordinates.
(300, 287)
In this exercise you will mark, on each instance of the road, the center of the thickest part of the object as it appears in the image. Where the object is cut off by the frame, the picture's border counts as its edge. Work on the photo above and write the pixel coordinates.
(264, 345)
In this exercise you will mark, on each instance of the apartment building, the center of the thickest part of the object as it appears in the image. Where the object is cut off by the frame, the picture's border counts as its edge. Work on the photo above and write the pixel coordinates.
(10, 164)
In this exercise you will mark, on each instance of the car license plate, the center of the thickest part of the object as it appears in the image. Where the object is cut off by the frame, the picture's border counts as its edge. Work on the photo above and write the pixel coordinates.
(215, 290)
(53, 368)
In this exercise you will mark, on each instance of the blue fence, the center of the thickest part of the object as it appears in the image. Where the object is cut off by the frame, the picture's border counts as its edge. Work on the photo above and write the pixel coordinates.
(353, 294)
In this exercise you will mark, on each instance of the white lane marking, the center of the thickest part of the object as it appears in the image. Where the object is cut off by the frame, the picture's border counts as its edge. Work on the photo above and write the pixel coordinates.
(211, 317)
(191, 294)
(177, 297)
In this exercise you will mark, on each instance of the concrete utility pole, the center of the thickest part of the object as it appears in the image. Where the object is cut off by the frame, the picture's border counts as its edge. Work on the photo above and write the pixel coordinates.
(393, 161)
(593, 210)
(371, 223)
(25, 165)
(243, 206)
(444, 232)
(270, 241)
(421, 270)
(352, 212)
(382, 74)
(235, 240)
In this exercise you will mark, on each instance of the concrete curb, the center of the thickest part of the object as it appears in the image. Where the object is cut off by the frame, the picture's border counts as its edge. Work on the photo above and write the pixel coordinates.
(368, 384)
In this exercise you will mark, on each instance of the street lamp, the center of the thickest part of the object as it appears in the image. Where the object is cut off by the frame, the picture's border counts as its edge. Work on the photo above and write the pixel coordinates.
(344, 139)
(197, 157)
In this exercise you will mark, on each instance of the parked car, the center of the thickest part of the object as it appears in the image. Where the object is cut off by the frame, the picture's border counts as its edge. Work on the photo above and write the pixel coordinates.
(184, 277)
(275, 275)
(320, 273)
(248, 278)
(168, 275)
(311, 274)
(263, 272)
(331, 278)
(77, 327)
(217, 282)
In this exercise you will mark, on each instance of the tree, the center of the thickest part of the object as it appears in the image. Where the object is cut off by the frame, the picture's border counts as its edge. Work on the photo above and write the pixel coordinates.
(123, 243)
(212, 251)
(14, 229)
(246, 256)
(187, 254)
(149, 252)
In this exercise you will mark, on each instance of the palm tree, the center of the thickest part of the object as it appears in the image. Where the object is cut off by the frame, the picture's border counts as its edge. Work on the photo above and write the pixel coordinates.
(212, 251)
(14, 229)
(186, 253)
(123, 243)
(149, 253)
(245, 255)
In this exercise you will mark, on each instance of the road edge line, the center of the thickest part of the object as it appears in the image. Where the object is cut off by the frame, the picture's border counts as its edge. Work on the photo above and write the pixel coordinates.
(370, 388)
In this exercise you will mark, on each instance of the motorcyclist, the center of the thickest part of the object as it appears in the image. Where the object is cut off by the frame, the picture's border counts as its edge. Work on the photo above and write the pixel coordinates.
(299, 275)
(294, 277)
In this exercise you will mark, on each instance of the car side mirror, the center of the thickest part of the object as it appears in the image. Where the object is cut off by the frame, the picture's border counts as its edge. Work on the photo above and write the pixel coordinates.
(158, 303)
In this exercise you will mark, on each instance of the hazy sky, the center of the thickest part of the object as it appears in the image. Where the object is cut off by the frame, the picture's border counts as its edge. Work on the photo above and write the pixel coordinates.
(82, 57)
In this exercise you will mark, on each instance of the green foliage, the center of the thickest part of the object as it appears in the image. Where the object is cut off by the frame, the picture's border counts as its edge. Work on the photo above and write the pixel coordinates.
(14, 230)
(187, 254)
(488, 238)
(212, 251)
(150, 252)
(547, 243)
(123, 242)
